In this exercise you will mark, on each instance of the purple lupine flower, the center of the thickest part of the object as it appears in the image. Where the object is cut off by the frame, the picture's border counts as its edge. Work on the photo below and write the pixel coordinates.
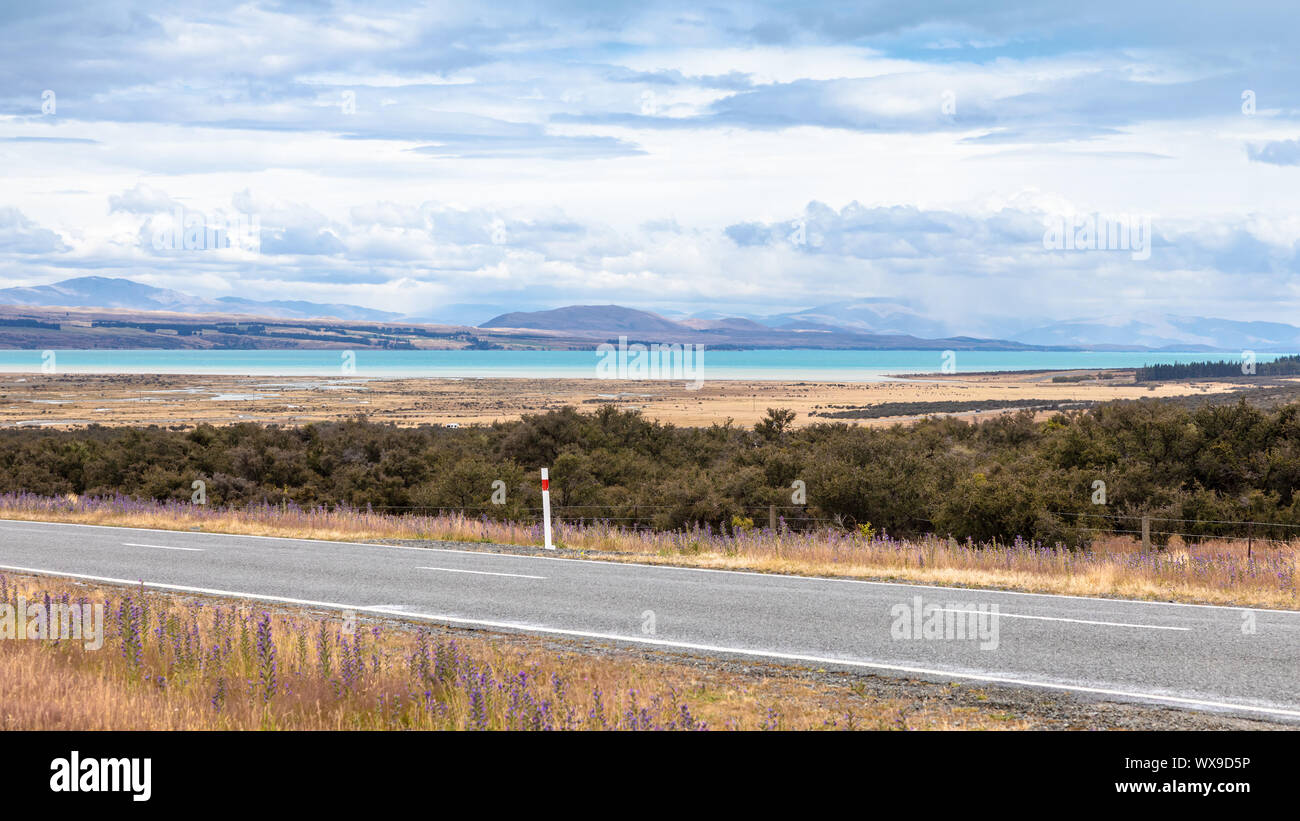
(266, 664)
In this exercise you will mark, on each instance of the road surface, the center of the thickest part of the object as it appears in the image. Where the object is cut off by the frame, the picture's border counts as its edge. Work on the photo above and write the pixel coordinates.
(1197, 657)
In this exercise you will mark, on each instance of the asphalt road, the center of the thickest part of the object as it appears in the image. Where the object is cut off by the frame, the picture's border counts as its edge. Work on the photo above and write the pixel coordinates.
(1190, 656)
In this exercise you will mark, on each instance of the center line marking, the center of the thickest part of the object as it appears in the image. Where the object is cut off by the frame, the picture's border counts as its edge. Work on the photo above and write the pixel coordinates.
(481, 572)
(611, 563)
(1057, 618)
(162, 547)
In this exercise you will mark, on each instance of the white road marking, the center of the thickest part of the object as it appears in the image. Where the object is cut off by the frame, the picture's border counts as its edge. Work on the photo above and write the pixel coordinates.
(1002, 615)
(480, 572)
(614, 563)
(708, 648)
(162, 547)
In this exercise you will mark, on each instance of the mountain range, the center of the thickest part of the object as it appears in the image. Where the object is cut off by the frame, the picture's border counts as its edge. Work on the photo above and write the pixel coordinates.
(872, 322)
(107, 292)
(604, 322)
(1167, 332)
(877, 318)
(851, 319)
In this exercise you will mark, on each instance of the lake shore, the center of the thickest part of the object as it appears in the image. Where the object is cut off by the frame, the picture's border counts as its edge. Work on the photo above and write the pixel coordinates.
(78, 400)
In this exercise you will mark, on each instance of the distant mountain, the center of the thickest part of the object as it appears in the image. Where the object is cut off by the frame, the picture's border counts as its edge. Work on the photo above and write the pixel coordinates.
(458, 313)
(877, 316)
(297, 309)
(105, 292)
(731, 323)
(110, 292)
(604, 322)
(1168, 332)
(716, 315)
(575, 318)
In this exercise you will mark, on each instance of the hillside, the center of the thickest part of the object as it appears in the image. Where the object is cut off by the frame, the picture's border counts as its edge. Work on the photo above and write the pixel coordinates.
(607, 322)
(583, 318)
(126, 294)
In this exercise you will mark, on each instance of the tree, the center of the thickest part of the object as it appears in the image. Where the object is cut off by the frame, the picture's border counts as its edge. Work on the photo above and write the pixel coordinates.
(777, 422)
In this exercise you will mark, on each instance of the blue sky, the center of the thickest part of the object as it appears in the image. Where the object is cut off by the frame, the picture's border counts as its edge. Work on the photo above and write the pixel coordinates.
(677, 156)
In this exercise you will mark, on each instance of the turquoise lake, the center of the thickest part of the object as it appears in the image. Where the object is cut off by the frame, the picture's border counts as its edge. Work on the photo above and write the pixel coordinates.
(816, 365)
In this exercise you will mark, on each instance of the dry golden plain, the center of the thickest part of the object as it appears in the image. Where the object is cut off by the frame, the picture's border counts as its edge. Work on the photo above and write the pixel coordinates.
(66, 400)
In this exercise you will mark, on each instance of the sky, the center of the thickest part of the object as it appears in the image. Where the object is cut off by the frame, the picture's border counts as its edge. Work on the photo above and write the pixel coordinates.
(682, 157)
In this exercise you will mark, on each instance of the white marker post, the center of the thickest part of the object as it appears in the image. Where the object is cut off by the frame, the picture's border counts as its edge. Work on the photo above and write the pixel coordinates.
(546, 508)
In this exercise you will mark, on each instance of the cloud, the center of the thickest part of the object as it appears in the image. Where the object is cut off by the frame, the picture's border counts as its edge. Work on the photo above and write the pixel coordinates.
(893, 232)
(965, 267)
(1278, 152)
(1042, 134)
(51, 140)
(1010, 242)
(731, 81)
(141, 199)
(747, 234)
(494, 146)
(20, 235)
(300, 240)
(390, 215)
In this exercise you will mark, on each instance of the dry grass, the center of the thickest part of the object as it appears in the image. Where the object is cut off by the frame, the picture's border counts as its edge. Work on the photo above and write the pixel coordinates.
(186, 399)
(1213, 572)
(174, 662)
